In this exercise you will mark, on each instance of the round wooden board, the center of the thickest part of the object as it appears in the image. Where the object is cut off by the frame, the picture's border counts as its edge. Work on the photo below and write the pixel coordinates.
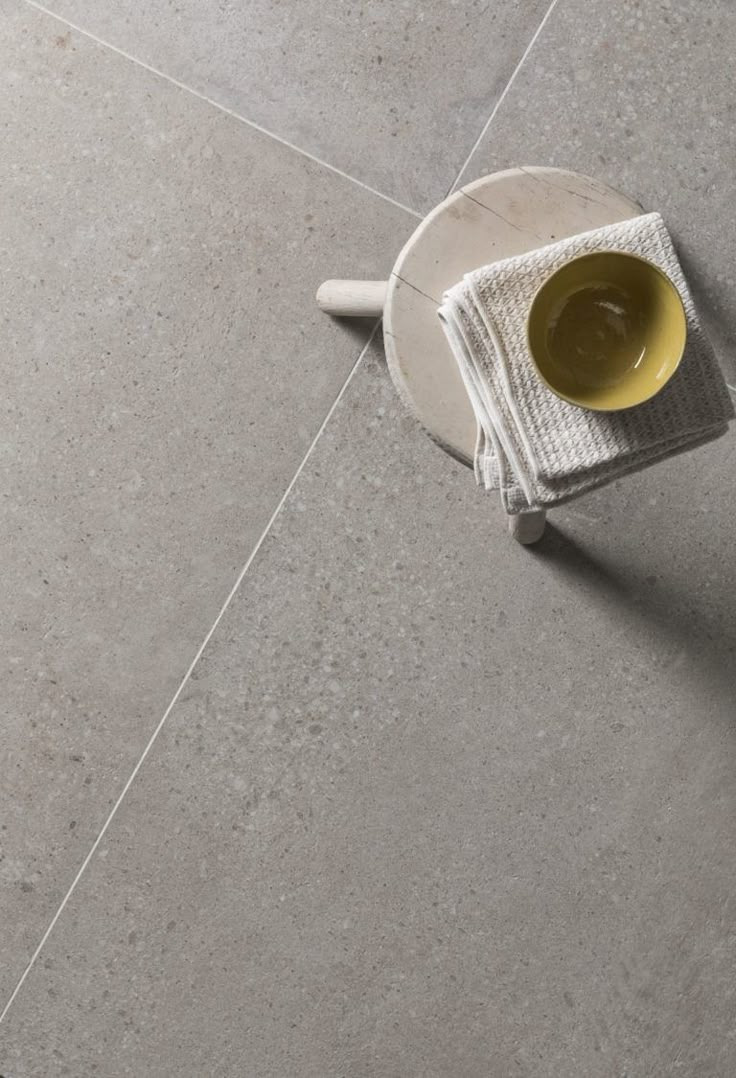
(504, 214)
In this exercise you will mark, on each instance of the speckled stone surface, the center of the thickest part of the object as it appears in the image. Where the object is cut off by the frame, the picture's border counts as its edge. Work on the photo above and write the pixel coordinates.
(642, 96)
(392, 92)
(164, 369)
(433, 804)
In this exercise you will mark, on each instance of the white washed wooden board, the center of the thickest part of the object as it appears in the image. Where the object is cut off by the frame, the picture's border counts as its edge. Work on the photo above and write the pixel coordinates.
(504, 214)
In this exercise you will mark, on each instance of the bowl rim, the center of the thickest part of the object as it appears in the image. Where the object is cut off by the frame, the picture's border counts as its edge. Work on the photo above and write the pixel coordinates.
(583, 258)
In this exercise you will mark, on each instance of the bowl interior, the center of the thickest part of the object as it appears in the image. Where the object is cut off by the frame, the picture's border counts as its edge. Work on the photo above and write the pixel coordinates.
(607, 330)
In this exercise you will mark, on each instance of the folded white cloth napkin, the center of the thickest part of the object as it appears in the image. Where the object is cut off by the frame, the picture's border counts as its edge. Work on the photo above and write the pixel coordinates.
(537, 449)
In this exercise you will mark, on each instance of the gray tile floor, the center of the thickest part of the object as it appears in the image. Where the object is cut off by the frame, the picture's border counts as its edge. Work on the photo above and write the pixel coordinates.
(428, 804)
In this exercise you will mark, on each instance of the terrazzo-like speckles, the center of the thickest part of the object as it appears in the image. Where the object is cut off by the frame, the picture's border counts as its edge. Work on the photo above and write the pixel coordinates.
(392, 93)
(432, 803)
(164, 371)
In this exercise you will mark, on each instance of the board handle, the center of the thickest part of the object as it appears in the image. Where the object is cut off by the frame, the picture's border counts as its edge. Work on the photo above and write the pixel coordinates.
(357, 299)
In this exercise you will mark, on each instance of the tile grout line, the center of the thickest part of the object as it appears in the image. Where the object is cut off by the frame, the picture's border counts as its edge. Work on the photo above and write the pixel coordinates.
(251, 557)
(504, 92)
(223, 108)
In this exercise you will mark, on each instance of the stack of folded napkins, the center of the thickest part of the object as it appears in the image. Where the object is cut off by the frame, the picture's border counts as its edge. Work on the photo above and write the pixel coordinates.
(534, 447)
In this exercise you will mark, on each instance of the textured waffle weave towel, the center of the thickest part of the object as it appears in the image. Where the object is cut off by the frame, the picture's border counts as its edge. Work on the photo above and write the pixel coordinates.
(537, 449)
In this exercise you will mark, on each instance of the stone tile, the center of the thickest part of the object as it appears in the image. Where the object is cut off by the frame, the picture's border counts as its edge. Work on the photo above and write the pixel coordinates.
(164, 371)
(393, 94)
(641, 96)
(433, 804)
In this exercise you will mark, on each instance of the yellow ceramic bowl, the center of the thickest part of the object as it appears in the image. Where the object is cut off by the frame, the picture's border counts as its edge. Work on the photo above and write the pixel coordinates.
(607, 331)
